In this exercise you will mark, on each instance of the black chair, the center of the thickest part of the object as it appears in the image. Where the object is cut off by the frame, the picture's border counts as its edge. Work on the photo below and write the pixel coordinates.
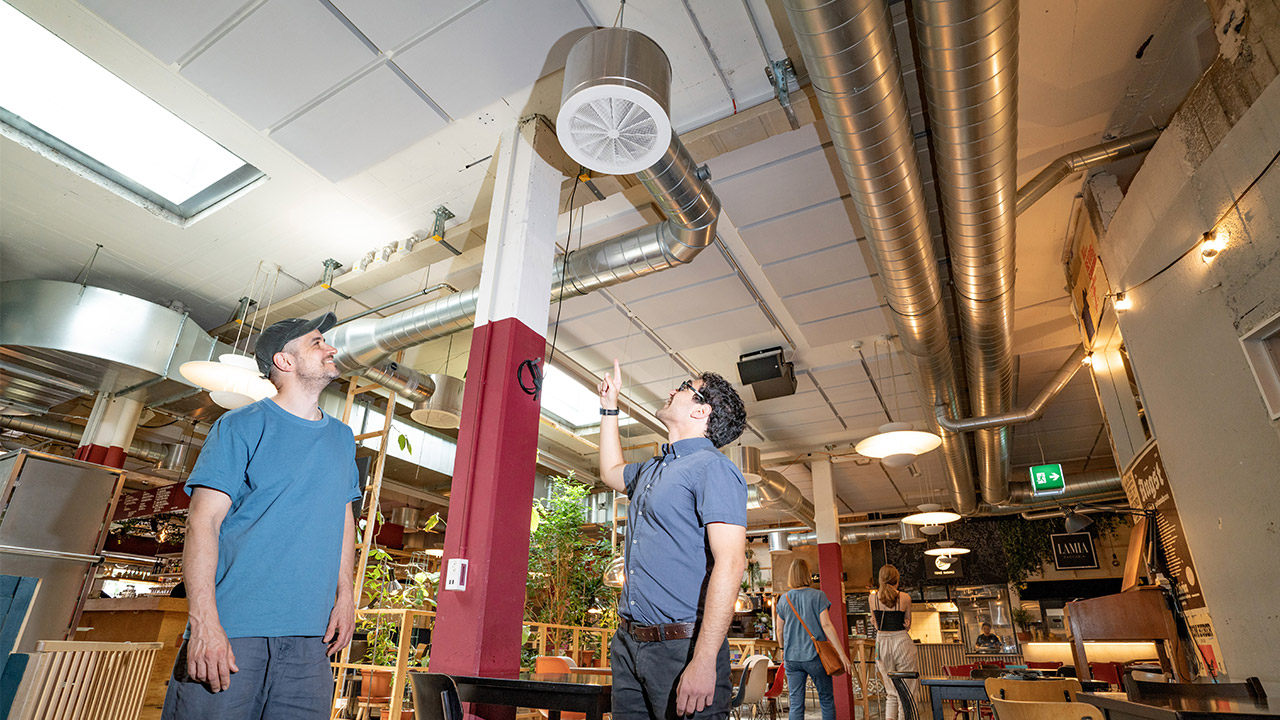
(1139, 690)
(905, 696)
(435, 697)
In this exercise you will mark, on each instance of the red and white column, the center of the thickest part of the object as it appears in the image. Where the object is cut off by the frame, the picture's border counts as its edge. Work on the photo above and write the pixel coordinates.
(478, 629)
(110, 429)
(831, 571)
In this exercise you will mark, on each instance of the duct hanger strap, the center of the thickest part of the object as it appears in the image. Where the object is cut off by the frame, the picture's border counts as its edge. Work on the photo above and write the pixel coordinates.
(442, 214)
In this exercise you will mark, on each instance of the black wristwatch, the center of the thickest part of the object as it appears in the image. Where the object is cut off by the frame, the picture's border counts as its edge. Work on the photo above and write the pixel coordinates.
(606, 411)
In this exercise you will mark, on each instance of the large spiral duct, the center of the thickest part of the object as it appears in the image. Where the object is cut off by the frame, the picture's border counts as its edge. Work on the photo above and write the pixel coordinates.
(849, 51)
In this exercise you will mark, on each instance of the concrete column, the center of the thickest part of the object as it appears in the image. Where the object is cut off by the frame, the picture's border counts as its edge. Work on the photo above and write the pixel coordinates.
(477, 630)
(106, 440)
(831, 571)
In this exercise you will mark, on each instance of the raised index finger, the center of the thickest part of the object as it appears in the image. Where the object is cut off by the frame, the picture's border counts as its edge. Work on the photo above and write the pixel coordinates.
(617, 373)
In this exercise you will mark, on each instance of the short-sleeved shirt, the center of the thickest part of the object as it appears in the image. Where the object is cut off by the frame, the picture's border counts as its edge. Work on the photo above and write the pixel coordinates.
(673, 498)
(290, 481)
(796, 645)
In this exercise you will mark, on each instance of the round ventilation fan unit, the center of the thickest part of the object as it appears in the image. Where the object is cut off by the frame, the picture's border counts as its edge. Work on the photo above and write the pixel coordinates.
(614, 111)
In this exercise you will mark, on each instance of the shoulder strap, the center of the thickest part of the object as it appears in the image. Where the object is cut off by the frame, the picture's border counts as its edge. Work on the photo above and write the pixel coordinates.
(787, 597)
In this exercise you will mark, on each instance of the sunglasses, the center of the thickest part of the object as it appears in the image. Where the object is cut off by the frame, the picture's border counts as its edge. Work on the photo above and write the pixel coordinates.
(688, 385)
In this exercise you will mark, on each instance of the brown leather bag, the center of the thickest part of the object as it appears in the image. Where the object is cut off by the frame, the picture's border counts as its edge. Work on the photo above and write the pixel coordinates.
(827, 653)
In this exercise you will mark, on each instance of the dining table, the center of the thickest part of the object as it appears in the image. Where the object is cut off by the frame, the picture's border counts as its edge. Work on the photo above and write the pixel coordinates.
(588, 693)
(1118, 706)
(943, 688)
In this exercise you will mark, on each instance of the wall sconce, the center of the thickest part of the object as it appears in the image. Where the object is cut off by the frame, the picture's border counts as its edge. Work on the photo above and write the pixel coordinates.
(1122, 302)
(1212, 243)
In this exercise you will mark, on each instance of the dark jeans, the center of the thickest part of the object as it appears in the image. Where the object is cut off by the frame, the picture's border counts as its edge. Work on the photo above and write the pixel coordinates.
(280, 678)
(645, 675)
(797, 671)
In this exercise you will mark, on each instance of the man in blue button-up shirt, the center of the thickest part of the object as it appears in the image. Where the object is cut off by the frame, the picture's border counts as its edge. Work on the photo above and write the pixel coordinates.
(685, 553)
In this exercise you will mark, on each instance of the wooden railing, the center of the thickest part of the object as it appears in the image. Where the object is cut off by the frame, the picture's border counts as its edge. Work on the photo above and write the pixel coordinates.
(77, 680)
(588, 646)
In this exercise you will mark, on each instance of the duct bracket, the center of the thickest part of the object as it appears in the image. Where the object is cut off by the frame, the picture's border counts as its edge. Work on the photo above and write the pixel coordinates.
(442, 214)
(326, 277)
(781, 74)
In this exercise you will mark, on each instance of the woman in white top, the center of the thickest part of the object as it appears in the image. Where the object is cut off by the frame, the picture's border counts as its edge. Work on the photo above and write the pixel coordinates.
(891, 613)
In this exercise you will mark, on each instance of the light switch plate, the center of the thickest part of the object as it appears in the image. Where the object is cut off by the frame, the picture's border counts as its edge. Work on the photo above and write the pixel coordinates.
(455, 577)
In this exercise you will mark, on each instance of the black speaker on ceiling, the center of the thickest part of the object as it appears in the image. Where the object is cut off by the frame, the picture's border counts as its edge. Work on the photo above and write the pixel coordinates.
(768, 374)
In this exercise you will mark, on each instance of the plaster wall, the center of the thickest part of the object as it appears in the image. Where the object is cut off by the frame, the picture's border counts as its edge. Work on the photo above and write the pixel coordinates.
(1220, 449)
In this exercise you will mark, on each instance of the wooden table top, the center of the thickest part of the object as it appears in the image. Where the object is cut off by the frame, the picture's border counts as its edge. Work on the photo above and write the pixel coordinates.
(1182, 707)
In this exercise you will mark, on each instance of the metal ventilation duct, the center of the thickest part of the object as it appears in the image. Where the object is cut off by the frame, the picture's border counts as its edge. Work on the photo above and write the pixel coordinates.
(849, 536)
(1027, 414)
(70, 433)
(849, 51)
(969, 53)
(691, 208)
(1073, 162)
(769, 489)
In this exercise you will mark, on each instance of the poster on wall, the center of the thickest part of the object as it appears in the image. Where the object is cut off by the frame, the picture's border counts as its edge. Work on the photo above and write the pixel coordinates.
(1073, 551)
(1208, 660)
(1147, 476)
(1089, 286)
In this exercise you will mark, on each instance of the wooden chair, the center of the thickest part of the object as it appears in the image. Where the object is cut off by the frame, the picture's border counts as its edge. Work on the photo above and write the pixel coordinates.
(1043, 665)
(1015, 710)
(907, 698)
(554, 664)
(435, 697)
(70, 680)
(1062, 690)
(751, 689)
(1139, 690)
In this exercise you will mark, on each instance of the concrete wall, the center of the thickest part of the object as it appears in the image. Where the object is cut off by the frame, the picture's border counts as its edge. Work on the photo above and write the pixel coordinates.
(1220, 449)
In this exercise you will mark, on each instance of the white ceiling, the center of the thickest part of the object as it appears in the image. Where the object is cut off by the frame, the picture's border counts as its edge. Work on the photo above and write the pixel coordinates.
(367, 116)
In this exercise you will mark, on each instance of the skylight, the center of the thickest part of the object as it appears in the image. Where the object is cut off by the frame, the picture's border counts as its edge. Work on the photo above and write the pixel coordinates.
(57, 96)
(569, 400)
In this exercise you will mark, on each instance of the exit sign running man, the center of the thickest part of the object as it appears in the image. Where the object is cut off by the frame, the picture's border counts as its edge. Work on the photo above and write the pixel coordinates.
(1047, 479)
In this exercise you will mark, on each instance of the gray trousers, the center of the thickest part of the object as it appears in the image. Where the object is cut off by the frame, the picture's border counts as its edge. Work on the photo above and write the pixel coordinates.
(645, 676)
(280, 678)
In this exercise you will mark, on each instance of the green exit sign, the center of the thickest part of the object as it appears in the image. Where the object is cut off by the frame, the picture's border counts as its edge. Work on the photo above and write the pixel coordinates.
(1046, 479)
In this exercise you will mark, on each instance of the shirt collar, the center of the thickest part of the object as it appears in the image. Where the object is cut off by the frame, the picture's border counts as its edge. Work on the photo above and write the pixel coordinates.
(680, 448)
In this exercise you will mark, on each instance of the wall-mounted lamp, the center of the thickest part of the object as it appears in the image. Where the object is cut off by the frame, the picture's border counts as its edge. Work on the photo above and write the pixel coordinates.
(1122, 302)
(1212, 243)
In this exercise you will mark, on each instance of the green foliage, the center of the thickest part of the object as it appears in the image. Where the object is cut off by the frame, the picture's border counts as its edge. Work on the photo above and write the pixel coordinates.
(1021, 617)
(1026, 544)
(566, 567)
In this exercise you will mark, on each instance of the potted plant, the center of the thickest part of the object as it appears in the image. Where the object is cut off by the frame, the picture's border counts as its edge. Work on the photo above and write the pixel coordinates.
(1022, 618)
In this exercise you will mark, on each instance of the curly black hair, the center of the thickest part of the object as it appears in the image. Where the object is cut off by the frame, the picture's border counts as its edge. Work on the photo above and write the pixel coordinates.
(728, 416)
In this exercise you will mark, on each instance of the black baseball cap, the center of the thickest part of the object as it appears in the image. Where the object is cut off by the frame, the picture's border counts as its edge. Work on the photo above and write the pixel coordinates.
(277, 335)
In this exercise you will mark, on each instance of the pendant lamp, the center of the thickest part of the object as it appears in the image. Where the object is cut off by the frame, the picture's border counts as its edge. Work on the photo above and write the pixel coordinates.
(931, 514)
(898, 444)
(233, 381)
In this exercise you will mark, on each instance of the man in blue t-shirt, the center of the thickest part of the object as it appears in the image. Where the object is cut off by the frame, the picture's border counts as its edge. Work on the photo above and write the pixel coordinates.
(685, 553)
(268, 562)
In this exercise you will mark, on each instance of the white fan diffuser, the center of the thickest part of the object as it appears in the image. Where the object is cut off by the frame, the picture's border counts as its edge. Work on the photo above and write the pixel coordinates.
(614, 111)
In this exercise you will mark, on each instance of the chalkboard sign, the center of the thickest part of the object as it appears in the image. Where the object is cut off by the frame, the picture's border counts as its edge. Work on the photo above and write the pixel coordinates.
(857, 604)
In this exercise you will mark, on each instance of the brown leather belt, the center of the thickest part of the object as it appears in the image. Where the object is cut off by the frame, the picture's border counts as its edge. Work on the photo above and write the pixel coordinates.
(657, 633)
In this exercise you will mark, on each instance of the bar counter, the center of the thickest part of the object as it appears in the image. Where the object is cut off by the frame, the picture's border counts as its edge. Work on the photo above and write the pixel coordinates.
(139, 619)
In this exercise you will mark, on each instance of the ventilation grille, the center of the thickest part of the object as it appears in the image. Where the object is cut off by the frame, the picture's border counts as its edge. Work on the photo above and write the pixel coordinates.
(614, 132)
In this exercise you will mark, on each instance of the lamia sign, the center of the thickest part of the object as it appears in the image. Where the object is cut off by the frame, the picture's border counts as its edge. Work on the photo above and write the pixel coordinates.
(1073, 551)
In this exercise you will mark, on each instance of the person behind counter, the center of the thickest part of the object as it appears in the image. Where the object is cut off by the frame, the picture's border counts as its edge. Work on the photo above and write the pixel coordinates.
(891, 613)
(988, 641)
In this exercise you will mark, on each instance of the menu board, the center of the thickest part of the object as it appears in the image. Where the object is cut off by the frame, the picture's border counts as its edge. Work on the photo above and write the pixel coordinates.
(1148, 480)
(145, 503)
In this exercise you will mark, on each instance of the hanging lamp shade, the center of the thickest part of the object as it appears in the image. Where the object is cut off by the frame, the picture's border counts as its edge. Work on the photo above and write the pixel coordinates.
(233, 381)
(743, 603)
(930, 514)
(444, 408)
(898, 444)
(616, 574)
(947, 548)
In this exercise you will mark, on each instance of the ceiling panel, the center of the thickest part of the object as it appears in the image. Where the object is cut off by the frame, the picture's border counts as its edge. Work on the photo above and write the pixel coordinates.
(492, 51)
(710, 329)
(781, 187)
(770, 150)
(389, 23)
(710, 298)
(710, 265)
(834, 300)
(841, 328)
(361, 124)
(775, 239)
(167, 29)
(282, 56)
(810, 271)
